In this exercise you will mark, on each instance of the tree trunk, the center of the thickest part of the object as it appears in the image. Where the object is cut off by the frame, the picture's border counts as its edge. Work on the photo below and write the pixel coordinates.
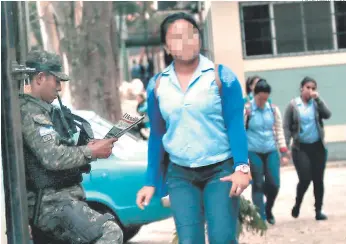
(50, 32)
(100, 68)
(48, 28)
(114, 40)
(87, 34)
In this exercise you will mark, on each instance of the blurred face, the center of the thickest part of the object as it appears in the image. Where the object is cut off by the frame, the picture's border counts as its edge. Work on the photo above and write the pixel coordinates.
(307, 89)
(261, 98)
(48, 87)
(183, 41)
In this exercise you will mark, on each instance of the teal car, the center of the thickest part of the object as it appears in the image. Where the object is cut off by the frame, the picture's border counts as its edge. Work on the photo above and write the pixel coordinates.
(112, 184)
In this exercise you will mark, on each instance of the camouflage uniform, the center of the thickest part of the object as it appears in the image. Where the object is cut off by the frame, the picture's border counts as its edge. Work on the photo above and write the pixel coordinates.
(40, 138)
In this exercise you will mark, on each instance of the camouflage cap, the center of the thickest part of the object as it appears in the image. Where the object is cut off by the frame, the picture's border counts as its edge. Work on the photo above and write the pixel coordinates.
(44, 61)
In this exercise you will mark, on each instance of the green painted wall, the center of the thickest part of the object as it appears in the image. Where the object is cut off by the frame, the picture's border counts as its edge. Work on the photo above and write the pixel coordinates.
(331, 82)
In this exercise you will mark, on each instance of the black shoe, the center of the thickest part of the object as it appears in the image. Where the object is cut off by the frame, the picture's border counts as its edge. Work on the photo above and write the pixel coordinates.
(321, 216)
(270, 218)
(295, 212)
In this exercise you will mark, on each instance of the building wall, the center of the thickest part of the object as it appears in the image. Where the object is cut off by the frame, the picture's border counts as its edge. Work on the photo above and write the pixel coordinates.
(226, 36)
(208, 45)
(278, 63)
(283, 73)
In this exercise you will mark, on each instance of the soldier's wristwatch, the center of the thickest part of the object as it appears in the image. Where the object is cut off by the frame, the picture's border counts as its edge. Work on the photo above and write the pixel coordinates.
(244, 168)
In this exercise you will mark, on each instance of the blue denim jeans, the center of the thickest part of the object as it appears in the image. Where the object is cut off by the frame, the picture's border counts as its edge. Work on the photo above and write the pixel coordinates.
(197, 196)
(265, 170)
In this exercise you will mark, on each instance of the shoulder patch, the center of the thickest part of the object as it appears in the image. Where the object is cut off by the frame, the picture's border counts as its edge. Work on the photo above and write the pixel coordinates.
(46, 130)
(47, 138)
(42, 119)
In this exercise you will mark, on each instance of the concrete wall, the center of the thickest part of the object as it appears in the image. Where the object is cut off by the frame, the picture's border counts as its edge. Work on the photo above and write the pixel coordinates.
(283, 73)
(208, 42)
(278, 63)
(226, 35)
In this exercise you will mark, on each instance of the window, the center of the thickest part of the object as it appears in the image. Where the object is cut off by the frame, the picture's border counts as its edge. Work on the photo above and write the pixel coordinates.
(274, 28)
(318, 26)
(288, 28)
(257, 30)
(340, 19)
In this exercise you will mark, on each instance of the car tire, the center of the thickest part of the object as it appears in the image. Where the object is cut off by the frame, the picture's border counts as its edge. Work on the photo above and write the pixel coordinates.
(128, 232)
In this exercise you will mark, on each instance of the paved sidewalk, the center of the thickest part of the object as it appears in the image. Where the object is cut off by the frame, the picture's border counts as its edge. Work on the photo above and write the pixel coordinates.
(304, 230)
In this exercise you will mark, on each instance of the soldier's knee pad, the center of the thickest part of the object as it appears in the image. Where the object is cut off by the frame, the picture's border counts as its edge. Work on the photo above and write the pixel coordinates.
(70, 223)
(112, 231)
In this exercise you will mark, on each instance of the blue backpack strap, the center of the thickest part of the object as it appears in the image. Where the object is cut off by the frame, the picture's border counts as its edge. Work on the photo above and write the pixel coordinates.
(219, 84)
(157, 82)
(272, 106)
(217, 77)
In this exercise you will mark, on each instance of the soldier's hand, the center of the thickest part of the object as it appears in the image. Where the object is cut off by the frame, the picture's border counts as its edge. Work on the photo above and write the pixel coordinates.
(92, 141)
(102, 148)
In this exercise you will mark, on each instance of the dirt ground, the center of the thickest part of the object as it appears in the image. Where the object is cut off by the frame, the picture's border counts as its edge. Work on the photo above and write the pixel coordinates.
(304, 230)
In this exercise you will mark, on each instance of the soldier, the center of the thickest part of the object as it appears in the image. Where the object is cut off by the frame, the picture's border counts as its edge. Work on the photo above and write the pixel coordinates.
(54, 169)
